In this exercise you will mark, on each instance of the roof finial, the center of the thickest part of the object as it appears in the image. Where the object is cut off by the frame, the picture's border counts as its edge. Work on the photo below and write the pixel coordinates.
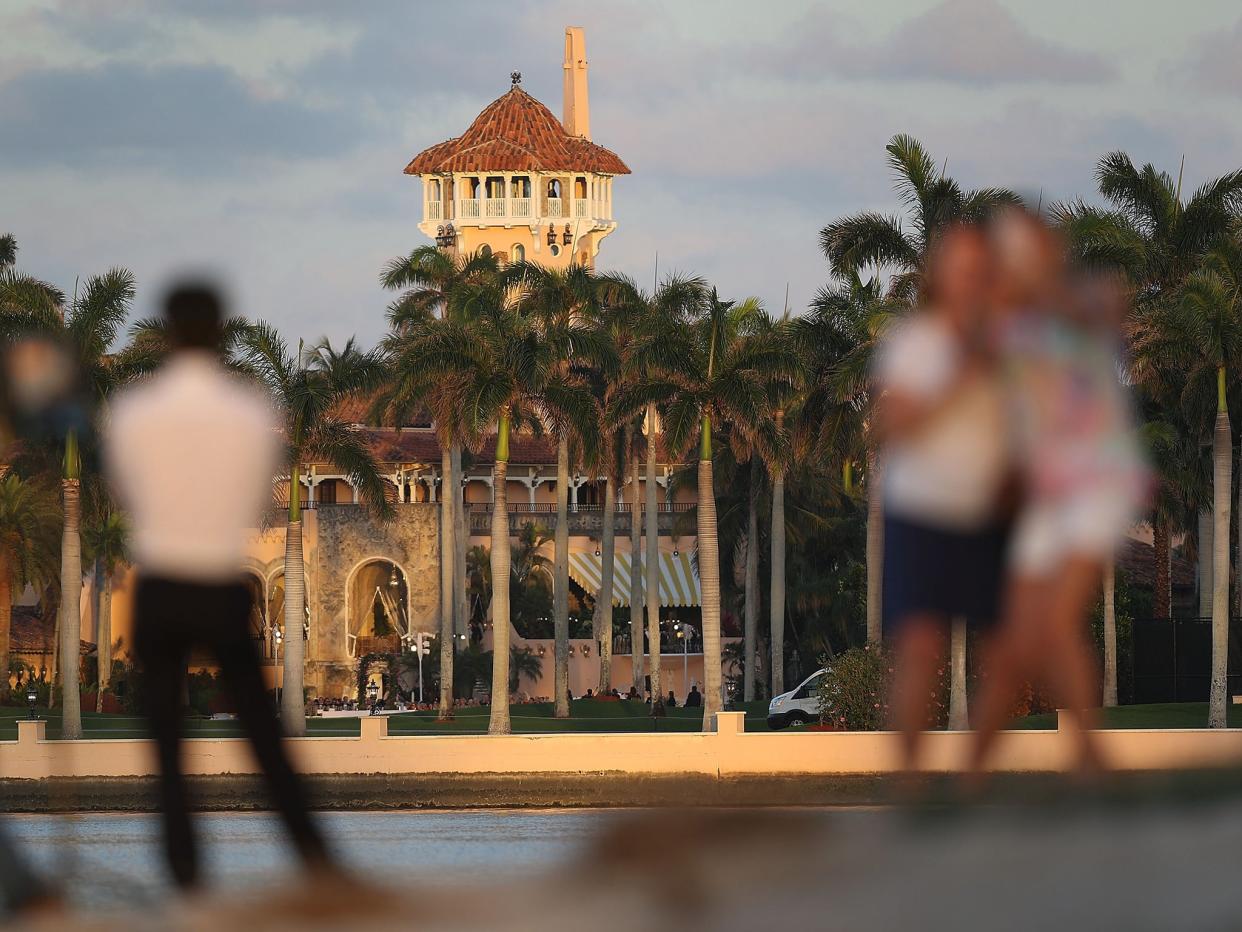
(515, 77)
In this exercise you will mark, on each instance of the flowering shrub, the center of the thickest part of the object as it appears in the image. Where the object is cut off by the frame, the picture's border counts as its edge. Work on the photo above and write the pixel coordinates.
(854, 695)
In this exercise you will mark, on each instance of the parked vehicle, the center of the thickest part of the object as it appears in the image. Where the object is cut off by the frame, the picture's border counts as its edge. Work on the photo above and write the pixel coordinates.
(799, 706)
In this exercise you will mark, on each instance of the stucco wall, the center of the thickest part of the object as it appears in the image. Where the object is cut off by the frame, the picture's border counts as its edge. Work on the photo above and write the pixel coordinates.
(349, 537)
(725, 753)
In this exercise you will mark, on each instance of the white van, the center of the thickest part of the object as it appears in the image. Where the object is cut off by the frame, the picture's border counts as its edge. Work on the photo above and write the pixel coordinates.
(798, 706)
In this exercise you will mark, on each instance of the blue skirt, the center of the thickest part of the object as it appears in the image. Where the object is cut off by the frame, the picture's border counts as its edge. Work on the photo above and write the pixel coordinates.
(947, 573)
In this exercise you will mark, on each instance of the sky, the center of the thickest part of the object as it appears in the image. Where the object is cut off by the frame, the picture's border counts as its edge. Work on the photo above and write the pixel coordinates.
(263, 141)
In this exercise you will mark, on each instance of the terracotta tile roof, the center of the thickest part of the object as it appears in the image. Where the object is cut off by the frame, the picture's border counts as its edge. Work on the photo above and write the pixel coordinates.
(33, 635)
(420, 445)
(516, 133)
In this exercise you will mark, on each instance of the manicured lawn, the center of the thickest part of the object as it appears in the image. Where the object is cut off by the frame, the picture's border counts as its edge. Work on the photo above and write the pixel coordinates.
(1159, 715)
(587, 716)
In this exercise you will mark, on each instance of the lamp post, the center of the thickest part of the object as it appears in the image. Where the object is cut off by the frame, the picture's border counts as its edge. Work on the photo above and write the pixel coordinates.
(372, 695)
(277, 637)
(685, 632)
(32, 698)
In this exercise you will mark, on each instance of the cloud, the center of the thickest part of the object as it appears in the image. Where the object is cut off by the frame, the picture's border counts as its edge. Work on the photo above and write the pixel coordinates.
(178, 118)
(972, 42)
(1214, 62)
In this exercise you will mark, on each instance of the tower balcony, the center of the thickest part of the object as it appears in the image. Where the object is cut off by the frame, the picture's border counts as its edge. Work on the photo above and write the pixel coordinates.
(510, 211)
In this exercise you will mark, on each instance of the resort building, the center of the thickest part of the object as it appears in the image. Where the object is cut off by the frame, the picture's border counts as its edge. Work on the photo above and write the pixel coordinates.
(525, 185)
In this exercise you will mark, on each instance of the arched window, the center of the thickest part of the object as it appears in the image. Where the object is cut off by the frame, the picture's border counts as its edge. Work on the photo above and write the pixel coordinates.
(485, 250)
(518, 252)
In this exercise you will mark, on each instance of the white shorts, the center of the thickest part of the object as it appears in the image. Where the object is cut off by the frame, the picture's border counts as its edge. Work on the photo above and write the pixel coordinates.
(1087, 525)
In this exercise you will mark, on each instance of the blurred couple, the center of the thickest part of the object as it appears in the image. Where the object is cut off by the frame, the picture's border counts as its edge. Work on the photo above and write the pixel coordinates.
(1011, 474)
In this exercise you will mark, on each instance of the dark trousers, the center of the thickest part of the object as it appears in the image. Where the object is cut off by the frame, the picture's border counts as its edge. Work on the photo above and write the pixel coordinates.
(172, 618)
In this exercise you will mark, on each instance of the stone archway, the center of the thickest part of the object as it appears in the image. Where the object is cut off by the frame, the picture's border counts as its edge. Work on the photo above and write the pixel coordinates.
(377, 615)
(259, 628)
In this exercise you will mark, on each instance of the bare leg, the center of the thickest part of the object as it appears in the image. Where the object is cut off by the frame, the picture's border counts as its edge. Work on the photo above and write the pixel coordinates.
(1010, 657)
(920, 653)
(1071, 669)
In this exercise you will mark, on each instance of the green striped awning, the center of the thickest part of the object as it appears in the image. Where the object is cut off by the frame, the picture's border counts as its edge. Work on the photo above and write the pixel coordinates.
(679, 578)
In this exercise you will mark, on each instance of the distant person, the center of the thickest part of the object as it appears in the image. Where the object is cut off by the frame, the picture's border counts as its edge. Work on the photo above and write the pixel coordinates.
(671, 701)
(589, 694)
(633, 693)
(940, 420)
(694, 698)
(193, 419)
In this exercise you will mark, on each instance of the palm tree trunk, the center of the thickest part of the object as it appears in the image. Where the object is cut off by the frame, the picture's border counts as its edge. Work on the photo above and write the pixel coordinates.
(875, 550)
(603, 604)
(751, 630)
(653, 558)
(1206, 556)
(6, 619)
(499, 723)
(292, 704)
(1222, 493)
(709, 578)
(1110, 633)
(461, 534)
(104, 638)
(777, 610)
(54, 673)
(636, 575)
(959, 718)
(71, 610)
(448, 554)
(560, 583)
(1162, 602)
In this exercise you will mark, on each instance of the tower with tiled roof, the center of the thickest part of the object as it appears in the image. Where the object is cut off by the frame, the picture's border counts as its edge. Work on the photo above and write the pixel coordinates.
(521, 183)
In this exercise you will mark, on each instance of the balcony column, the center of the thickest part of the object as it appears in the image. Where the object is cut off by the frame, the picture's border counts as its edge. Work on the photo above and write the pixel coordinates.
(354, 489)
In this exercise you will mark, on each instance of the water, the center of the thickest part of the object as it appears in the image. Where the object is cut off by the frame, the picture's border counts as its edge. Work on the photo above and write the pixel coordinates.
(111, 860)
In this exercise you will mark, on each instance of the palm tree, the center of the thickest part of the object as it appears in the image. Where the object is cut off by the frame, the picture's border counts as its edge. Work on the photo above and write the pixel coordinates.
(934, 201)
(636, 579)
(498, 369)
(645, 319)
(107, 541)
(564, 302)
(1158, 240)
(88, 326)
(28, 523)
(308, 385)
(1195, 344)
(435, 285)
(706, 370)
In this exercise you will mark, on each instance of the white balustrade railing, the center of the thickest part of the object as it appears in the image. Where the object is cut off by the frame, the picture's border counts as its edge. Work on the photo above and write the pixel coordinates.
(580, 208)
(468, 207)
(495, 206)
(434, 211)
(520, 207)
(554, 207)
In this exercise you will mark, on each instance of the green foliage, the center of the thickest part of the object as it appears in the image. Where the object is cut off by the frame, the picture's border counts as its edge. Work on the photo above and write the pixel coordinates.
(854, 694)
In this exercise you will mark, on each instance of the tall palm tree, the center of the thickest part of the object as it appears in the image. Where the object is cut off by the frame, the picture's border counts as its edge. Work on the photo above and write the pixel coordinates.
(435, 285)
(87, 325)
(871, 240)
(29, 519)
(499, 370)
(1199, 338)
(646, 318)
(107, 546)
(565, 305)
(637, 653)
(705, 370)
(308, 385)
(1158, 239)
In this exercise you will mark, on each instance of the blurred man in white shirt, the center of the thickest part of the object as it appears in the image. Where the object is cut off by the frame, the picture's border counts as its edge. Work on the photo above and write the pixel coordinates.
(192, 424)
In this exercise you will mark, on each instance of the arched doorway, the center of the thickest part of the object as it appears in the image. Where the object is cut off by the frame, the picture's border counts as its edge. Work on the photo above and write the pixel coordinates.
(276, 609)
(378, 609)
(260, 630)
